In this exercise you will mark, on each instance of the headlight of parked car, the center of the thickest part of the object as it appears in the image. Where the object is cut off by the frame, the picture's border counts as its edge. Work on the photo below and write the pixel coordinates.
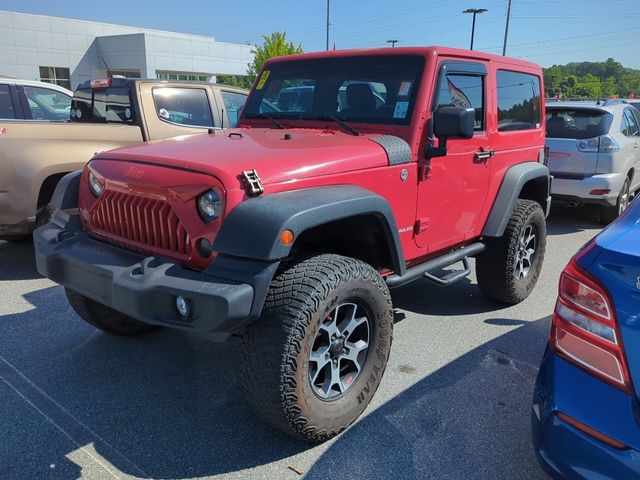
(210, 205)
(96, 186)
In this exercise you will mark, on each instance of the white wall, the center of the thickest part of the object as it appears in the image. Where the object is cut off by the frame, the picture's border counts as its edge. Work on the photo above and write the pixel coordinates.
(29, 41)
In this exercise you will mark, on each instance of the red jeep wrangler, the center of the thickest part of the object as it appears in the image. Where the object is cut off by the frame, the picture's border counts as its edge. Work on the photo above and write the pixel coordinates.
(351, 172)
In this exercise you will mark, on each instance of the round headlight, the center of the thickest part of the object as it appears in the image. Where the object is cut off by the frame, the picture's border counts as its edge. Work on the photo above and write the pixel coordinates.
(210, 205)
(95, 185)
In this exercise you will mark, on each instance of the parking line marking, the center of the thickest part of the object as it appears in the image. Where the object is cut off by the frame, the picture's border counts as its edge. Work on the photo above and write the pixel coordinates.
(76, 431)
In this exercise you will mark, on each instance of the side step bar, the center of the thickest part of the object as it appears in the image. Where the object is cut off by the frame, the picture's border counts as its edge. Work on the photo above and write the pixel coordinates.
(425, 269)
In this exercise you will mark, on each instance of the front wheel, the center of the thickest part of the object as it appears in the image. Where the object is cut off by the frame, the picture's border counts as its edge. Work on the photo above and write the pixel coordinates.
(509, 269)
(313, 360)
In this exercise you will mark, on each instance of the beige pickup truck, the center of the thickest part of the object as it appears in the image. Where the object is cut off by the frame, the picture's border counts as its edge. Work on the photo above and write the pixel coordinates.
(37, 148)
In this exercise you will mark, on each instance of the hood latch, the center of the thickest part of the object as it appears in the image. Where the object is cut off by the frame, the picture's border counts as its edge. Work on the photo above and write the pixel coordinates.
(252, 182)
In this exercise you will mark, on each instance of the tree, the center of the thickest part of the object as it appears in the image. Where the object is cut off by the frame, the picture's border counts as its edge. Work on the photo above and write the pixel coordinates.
(274, 45)
(240, 81)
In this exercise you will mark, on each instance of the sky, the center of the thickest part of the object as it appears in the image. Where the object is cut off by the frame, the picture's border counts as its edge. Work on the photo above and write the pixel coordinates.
(547, 32)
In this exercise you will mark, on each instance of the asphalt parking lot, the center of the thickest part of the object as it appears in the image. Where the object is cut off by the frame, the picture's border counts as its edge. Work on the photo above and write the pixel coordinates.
(454, 403)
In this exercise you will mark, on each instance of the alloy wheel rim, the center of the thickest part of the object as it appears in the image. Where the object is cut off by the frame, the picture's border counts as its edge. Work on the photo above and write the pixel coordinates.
(624, 199)
(339, 350)
(526, 251)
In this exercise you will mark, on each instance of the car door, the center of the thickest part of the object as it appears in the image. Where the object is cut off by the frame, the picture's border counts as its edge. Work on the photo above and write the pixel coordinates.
(633, 116)
(451, 197)
(233, 103)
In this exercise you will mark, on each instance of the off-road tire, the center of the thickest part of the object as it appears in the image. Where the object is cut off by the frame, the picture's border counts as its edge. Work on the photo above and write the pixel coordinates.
(105, 318)
(496, 267)
(609, 213)
(274, 368)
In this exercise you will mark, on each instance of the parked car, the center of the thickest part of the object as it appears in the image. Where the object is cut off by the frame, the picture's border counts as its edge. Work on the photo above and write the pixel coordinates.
(30, 100)
(634, 102)
(585, 405)
(103, 114)
(290, 229)
(594, 154)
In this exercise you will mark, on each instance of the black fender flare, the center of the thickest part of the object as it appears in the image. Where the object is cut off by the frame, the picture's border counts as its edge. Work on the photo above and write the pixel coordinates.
(513, 182)
(252, 229)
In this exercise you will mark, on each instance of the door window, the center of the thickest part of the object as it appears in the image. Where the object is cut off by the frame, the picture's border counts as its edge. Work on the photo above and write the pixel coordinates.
(6, 105)
(630, 126)
(233, 103)
(47, 104)
(466, 91)
(184, 106)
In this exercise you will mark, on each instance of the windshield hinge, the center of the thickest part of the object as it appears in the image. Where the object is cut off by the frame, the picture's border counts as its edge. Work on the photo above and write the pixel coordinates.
(252, 182)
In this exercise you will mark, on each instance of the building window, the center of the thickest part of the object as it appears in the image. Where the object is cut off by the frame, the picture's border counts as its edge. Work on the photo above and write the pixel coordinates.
(125, 73)
(181, 76)
(56, 75)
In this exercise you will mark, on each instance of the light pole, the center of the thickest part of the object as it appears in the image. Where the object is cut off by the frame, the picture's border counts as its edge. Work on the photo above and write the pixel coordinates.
(393, 42)
(506, 30)
(328, 24)
(475, 11)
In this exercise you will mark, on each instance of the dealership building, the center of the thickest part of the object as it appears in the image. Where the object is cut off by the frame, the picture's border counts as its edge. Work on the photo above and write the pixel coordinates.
(67, 52)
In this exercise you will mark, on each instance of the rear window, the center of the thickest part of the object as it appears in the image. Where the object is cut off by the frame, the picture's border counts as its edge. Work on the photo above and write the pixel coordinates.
(103, 105)
(519, 101)
(6, 105)
(577, 123)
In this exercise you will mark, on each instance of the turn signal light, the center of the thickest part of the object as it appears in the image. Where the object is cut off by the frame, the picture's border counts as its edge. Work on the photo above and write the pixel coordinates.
(286, 237)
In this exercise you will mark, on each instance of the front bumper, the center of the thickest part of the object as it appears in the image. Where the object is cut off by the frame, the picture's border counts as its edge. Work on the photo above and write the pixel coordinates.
(144, 288)
(568, 453)
(578, 189)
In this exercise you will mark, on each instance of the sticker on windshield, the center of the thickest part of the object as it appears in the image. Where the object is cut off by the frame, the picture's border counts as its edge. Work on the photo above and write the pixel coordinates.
(263, 79)
(127, 113)
(401, 110)
(405, 88)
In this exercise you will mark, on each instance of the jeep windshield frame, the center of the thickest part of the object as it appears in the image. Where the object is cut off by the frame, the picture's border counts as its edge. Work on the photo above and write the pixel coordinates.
(372, 89)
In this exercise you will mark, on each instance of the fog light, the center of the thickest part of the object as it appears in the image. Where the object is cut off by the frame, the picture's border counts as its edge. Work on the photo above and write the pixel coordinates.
(182, 306)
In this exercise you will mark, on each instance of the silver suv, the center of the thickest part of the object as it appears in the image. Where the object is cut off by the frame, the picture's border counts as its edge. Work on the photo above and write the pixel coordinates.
(594, 154)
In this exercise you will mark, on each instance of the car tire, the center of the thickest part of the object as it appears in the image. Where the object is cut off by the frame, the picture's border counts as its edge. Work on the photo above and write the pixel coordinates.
(510, 266)
(607, 213)
(295, 375)
(104, 318)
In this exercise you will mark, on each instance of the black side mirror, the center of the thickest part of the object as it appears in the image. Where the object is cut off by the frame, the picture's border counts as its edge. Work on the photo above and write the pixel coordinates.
(450, 122)
(454, 122)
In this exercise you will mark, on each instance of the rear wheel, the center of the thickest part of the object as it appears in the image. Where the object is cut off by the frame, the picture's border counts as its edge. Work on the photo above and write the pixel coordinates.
(609, 214)
(314, 359)
(105, 318)
(509, 269)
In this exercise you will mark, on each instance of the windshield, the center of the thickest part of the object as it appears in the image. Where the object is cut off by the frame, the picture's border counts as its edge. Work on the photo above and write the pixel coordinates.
(369, 89)
(579, 123)
(110, 104)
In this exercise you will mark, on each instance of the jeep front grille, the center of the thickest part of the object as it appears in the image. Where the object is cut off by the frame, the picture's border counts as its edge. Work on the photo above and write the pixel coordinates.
(140, 223)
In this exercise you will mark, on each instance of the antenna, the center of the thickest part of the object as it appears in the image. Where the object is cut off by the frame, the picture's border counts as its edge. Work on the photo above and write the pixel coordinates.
(105, 64)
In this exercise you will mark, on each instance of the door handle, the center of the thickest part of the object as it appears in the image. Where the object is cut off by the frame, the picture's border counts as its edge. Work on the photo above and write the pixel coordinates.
(483, 156)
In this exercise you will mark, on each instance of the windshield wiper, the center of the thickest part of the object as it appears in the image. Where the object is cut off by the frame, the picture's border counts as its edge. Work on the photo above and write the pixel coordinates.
(342, 123)
(268, 117)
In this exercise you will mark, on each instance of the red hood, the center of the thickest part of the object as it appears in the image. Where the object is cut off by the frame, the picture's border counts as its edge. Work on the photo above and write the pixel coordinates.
(225, 154)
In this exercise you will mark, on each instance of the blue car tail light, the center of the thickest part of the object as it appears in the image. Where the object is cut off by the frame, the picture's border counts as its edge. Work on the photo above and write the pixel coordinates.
(585, 330)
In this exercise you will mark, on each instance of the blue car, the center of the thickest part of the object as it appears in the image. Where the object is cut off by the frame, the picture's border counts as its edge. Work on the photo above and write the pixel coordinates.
(586, 413)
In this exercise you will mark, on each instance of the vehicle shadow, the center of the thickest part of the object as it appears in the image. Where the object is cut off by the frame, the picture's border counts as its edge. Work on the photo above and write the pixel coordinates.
(167, 405)
(165, 402)
(426, 298)
(469, 420)
(565, 220)
(17, 261)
